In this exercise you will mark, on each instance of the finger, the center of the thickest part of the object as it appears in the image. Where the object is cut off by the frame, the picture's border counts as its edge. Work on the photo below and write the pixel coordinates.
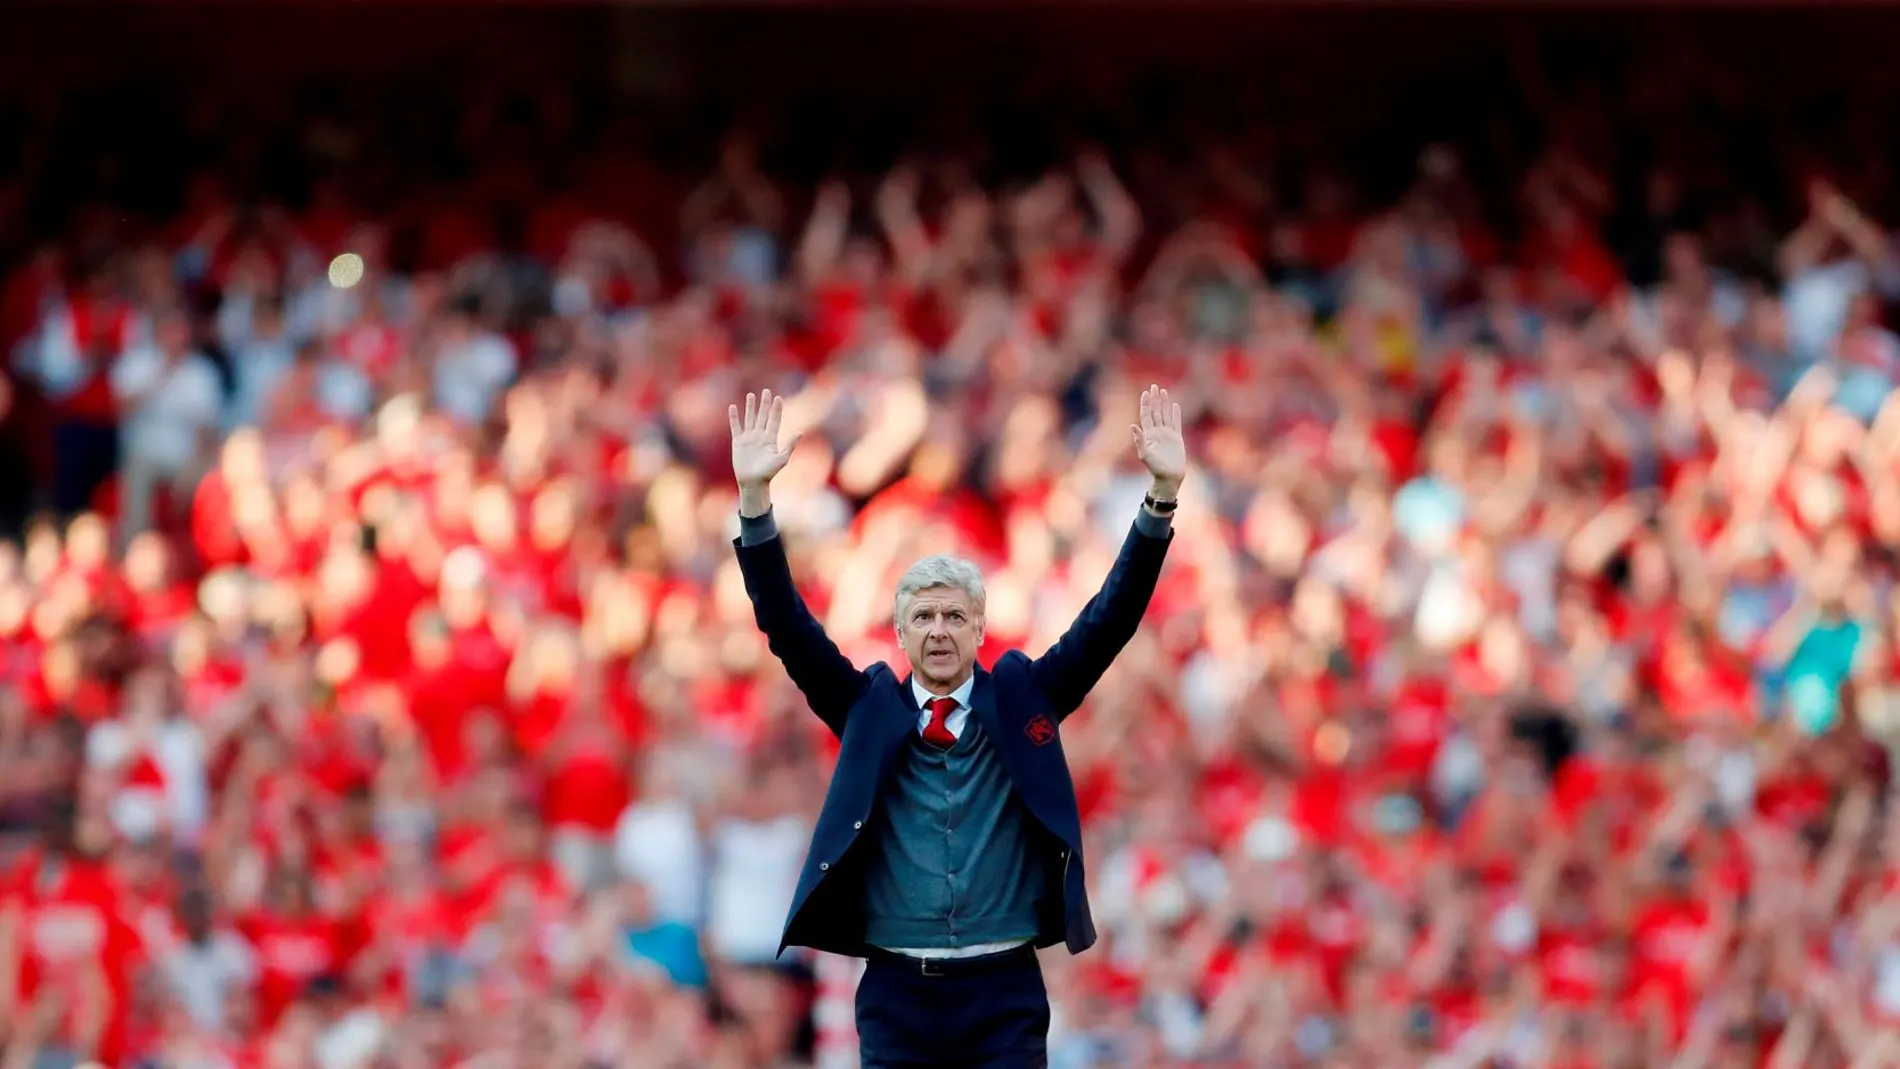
(774, 412)
(751, 410)
(1146, 409)
(732, 417)
(1175, 416)
(1161, 406)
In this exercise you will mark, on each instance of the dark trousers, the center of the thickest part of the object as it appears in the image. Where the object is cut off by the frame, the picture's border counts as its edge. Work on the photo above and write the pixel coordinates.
(994, 1015)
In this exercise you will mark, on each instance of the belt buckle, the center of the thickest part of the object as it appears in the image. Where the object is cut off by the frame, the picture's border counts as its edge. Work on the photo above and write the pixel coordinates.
(929, 967)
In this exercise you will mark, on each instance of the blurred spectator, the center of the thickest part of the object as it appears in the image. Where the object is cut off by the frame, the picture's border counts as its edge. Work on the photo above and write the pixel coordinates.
(207, 968)
(170, 401)
(658, 845)
(471, 366)
(757, 847)
(262, 354)
(669, 946)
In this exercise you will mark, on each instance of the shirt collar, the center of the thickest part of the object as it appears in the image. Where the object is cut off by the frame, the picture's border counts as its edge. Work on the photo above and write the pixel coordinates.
(961, 694)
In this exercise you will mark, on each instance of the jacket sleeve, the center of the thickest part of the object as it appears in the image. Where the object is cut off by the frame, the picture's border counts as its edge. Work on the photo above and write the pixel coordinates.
(830, 683)
(1076, 662)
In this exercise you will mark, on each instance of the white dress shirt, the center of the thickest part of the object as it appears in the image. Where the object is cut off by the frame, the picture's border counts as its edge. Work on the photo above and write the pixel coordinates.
(958, 716)
(954, 723)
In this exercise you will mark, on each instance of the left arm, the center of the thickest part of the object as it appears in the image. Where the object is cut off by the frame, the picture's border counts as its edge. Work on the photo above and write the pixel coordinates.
(1121, 220)
(819, 249)
(1073, 665)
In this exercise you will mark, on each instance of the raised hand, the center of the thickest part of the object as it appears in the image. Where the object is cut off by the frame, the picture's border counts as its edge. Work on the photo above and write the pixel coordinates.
(756, 456)
(1159, 443)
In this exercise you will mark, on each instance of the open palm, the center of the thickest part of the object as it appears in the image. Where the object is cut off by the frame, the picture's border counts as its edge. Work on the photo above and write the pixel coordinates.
(756, 455)
(1158, 439)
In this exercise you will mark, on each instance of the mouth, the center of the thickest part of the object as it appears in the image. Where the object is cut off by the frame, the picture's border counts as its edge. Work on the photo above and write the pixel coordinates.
(940, 656)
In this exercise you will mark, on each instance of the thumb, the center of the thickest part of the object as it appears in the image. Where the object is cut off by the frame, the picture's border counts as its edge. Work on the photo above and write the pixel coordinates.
(1135, 433)
(786, 453)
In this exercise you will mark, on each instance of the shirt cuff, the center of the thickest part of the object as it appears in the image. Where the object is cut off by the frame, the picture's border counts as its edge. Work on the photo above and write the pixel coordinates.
(1153, 524)
(754, 530)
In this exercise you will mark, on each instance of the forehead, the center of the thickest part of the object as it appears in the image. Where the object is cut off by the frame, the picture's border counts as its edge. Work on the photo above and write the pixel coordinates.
(939, 598)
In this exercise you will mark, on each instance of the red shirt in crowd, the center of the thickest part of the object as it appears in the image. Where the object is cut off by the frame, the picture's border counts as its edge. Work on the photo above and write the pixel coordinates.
(407, 928)
(294, 951)
(70, 922)
(588, 788)
(1667, 936)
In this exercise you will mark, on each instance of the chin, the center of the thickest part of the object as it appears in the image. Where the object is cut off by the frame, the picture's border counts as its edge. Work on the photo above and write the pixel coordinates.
(944, 674)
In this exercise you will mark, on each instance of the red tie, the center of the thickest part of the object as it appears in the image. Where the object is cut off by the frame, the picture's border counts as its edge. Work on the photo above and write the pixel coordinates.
(937, 733)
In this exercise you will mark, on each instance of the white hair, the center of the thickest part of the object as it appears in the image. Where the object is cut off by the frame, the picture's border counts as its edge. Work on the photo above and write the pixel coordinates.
(937, 572)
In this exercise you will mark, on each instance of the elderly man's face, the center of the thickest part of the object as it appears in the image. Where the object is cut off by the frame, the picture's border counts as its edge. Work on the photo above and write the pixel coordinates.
(940, 632)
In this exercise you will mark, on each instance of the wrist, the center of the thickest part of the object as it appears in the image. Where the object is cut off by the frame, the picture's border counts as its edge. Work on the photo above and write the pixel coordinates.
(1165, 489)
(755, 500)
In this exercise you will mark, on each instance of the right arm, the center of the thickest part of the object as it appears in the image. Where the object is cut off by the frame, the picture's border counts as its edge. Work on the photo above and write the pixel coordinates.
(1861, 234)
(910, 242)
(825, 232)
(831, 684)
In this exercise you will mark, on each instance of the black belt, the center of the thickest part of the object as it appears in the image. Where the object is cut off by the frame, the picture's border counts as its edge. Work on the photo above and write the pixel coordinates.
(953, 966)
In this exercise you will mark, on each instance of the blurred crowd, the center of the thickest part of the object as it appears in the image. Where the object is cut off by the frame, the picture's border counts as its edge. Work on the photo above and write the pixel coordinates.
(379, 689)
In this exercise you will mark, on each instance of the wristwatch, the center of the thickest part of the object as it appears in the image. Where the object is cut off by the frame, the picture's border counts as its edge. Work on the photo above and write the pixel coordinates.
(1162, 507)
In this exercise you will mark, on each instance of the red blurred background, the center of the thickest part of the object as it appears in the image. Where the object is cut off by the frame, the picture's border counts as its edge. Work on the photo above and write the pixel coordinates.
(377, 691)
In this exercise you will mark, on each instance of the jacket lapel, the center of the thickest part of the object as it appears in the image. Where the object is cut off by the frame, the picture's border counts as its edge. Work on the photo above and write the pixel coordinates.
(983, 703)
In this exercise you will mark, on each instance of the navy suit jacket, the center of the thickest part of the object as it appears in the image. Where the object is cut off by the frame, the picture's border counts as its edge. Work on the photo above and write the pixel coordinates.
(1020, 705)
